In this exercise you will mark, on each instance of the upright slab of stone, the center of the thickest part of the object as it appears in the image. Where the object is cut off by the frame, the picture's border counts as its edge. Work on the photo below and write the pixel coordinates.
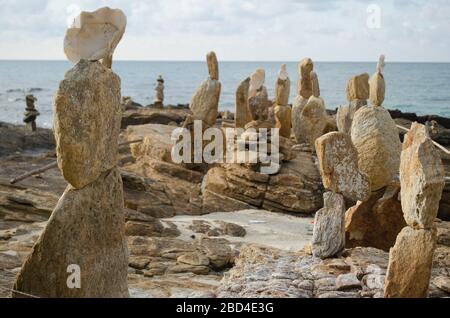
(338, 163)
(85, 229)
(87, 115)
(83, 251)
(258, 101)
(282, 112)
(377, 84)
(242, 113)
(304, 92)
(205, 101)
(422, 182)
(422, 178)
(375, 136)
(329, 228)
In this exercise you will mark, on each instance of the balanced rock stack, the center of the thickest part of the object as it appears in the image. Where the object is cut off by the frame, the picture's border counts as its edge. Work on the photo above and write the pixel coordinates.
(304, 92)
(313, 121)
(242, 114)
(357, 95)
(85, 233)
(258, 102)
(377, 84)
(338, 163)
(422, 183)
(282, 111)
(158, 100)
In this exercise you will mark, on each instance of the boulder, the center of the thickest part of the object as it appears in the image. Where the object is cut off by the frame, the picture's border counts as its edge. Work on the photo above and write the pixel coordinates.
(313, 120)
(358, 88)
(338, 162)
(329, 230)
(377, 221)
(205, 101)
(87, 115)
(242, 116)
(422, 178)
(85, 229)
(410, 261)
(377, 141)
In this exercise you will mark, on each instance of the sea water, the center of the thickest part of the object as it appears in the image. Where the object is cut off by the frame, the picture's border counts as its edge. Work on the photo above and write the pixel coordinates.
(423, 88)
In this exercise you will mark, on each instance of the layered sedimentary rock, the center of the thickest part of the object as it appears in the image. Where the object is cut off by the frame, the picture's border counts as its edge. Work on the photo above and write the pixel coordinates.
(377, 84)
(94, 35)
(304, 92)
(86, 229)
(338, 162)
(329, 228)
(377, 221)
(86, 106)
(205, 101)
(376, 139)
(422, 178)
(242, 113)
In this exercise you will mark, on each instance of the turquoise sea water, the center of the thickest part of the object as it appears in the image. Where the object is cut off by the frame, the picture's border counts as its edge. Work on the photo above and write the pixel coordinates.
(423, 88)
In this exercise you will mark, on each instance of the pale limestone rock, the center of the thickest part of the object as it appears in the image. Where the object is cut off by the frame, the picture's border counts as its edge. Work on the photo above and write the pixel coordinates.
(297, 108)
(315, 84)
(257, 80)
(338, 163)
(94, 35)
(86, 228)
(313, 120)
(345, 114)
(422, 178)
(329, 230)
(410, 261)
(305, 68)
(283, 118)
(282, 87)
(258, 101)
(377, 84)
(87, 115)
(376, 138)
(358, 87)
(242, 113)
(213, 66)
(205, 101)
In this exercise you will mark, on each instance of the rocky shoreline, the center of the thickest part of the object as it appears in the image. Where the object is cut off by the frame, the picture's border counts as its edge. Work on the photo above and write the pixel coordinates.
(203, 233)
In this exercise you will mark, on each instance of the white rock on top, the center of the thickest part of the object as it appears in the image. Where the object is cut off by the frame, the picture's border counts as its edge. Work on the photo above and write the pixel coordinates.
(283, 74)
(94, 35)
(256, 81)
(381, 64)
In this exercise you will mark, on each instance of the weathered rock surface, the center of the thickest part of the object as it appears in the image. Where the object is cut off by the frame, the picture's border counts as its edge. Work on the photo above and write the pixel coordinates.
(213, 65)
(81, 119)
(338, 162)
(358, 87)
(283, 117)
(242, 116)
(421, 177)
(87, 229)
(410, 261)
(329, 228)
(377, 89)
(313, 120)
(376, 138)
(151, 115)
(282, 87)
(377, 221)
(205, 101)
(94, 35)
(297, 108)
(304, 86)
(345, 114)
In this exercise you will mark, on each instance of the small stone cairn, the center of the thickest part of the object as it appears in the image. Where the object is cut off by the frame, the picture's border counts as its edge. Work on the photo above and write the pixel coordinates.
(158, 100)
(31, 113)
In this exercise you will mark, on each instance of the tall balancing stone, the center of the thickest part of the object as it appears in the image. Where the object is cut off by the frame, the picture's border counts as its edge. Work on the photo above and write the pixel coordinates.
(304, 91)
(205, 101)
(85, 232)
(375, 136)
(242, 113)
(258, 101)
(329, 227)
(282, 111)
(377, 84)
(422, 182)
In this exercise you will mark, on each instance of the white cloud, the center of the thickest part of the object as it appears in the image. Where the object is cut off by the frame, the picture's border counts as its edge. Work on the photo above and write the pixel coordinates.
(239, 29)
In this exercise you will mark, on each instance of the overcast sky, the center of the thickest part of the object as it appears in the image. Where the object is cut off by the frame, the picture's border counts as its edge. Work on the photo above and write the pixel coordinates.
(246, 30)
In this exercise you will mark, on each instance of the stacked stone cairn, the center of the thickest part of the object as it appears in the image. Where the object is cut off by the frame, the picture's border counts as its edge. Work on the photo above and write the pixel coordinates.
(422, 182)
(31, 112)
(376, 221)
(83, 250)
(282, 112)
(357, 95)
(158, 100)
